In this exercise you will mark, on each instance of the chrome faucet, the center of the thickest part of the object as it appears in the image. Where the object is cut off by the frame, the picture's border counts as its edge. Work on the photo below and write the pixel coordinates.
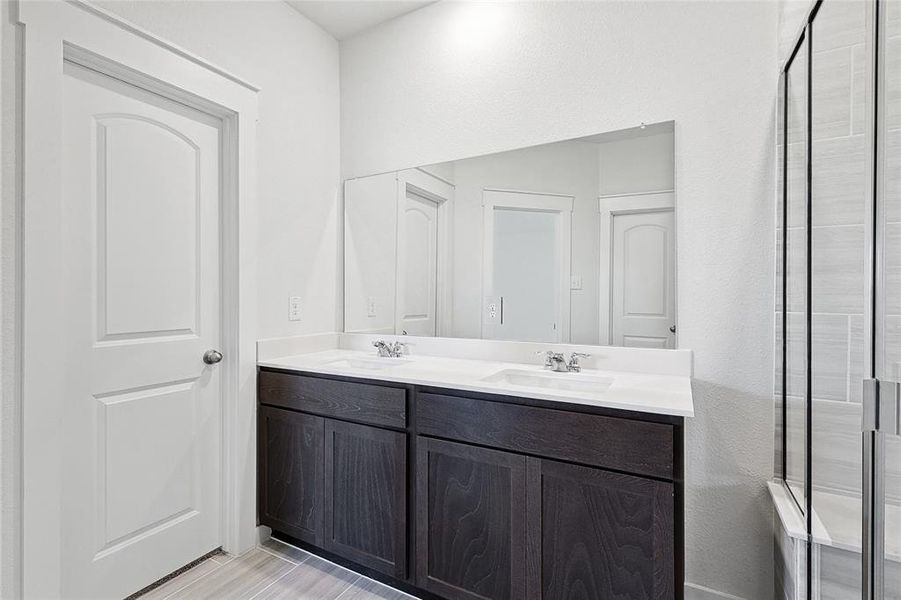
(573, 364)
(389, 350)
(555, 361)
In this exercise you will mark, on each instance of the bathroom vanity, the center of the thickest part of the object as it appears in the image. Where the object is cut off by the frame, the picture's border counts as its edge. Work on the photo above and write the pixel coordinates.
(477, 479)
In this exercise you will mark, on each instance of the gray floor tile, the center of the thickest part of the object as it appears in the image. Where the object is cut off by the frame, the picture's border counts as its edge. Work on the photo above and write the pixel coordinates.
(181, 581)
(313, 579)
(239, 579)
(367, 589)
(222, 558)
(286, 551)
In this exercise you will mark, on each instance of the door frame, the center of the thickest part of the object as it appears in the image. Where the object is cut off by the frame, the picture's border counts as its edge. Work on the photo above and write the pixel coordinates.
(437, 190)
(562, 206)
(624, 204)
(76, 31)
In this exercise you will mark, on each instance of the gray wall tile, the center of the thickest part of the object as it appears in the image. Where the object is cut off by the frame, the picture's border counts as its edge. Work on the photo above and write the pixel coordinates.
(838, 269)
(831, 81)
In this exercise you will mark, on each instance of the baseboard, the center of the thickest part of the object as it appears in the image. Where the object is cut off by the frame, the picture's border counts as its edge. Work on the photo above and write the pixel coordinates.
(699, 592)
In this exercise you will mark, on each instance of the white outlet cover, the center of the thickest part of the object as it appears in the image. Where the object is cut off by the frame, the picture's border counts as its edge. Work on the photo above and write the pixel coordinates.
(575, 282)
(492, 310)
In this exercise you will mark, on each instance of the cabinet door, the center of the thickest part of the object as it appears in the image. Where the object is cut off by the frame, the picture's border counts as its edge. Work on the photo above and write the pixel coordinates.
(365, 491)
(470, 521)
(290, 485)
(598, 534)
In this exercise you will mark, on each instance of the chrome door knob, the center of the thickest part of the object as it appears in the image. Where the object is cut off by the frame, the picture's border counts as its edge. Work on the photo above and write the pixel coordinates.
(211, 357)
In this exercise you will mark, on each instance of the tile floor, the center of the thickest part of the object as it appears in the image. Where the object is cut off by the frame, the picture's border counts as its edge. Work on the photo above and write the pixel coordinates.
(273, 571)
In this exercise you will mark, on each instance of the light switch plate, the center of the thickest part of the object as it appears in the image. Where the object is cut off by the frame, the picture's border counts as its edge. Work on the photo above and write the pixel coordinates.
(294, 306)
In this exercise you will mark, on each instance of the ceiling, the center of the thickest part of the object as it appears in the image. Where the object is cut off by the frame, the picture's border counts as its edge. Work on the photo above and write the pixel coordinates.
(346, 18)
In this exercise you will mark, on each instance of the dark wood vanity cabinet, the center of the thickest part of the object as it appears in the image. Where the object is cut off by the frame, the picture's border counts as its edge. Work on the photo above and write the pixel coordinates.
(598, 534)
(470, 496)
(492, 524)
(366, 495)
(471, 521)
(290, 465)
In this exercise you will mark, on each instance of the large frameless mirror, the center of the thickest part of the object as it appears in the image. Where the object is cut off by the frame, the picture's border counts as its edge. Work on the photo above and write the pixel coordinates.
(572, 241)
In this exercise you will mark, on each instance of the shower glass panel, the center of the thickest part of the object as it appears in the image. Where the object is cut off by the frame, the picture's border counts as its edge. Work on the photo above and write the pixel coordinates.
(778, 466)
(795, 314)
(888, 329)
(839, 337)
(841, 194)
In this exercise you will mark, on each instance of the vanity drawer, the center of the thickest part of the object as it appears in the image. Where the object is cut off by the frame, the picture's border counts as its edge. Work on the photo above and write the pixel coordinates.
(362, 402)
(623, 444)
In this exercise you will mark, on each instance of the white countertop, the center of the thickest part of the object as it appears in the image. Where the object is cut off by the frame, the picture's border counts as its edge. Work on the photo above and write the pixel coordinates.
(649, 393)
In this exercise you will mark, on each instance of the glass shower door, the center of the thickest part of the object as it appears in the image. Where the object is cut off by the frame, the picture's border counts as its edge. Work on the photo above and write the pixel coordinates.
(840, 237)
(841, 142)
(886, 512)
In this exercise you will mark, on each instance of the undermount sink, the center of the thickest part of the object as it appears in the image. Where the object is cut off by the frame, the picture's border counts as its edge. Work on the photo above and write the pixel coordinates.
(565, 382)
(373, 363)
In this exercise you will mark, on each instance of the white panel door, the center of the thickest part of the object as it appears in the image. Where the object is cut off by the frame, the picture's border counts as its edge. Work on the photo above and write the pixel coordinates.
(525, 275)
(643, 280)
(141, 465)
(417, 267)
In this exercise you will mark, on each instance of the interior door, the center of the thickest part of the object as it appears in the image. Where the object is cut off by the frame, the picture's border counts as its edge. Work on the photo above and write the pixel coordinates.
(418, 267)
(141, 484)
(525, 275)
(643, 280)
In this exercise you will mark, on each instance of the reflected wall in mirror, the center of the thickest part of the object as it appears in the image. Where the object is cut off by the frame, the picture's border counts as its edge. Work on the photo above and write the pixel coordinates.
(572, 241)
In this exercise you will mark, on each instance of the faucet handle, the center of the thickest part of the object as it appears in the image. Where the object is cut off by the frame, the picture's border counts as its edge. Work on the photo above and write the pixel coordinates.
(551, 357)
(574, 360)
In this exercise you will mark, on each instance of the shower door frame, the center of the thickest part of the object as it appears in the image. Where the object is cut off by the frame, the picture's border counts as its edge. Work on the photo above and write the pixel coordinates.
(881, 401)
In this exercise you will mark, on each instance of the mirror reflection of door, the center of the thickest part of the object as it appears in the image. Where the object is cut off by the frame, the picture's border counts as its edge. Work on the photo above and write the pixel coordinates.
(418, 266)
(525, 274)
(643, 279)
(525, 265)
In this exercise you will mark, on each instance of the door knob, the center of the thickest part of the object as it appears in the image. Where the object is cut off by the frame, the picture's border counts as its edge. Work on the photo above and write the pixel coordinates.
(211, 357)
(672, 329)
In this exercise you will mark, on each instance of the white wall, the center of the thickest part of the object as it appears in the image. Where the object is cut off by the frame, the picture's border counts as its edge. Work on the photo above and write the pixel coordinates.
(635, 165)
(296, 65)
(792, 18)
(487, 78)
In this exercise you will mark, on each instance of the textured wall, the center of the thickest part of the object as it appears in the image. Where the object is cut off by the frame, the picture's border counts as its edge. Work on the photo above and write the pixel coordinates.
(461, 79)
(792, 17)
